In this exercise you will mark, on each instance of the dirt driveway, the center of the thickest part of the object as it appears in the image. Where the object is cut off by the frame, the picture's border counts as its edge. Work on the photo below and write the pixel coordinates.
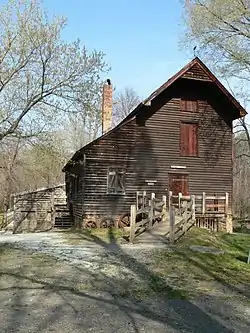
(49, 285)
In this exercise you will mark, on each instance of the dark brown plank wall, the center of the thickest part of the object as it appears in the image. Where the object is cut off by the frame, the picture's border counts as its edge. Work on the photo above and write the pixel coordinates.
(211, 172)
(115, 150)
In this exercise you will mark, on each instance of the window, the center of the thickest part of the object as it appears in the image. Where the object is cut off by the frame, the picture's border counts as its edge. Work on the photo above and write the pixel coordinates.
(189, 139)
(189, 105)
(116, 181)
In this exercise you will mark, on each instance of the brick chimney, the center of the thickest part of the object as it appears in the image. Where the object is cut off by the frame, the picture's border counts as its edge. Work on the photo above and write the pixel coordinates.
(107, 106)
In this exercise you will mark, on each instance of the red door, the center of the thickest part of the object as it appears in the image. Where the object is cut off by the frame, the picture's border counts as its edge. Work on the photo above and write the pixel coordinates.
(178, 183)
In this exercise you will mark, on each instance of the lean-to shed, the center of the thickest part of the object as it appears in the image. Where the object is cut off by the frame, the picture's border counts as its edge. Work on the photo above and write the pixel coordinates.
(41, 209)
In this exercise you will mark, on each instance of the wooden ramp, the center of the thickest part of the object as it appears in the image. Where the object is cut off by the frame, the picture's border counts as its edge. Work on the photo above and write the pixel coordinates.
(152, 223)
(157, 235)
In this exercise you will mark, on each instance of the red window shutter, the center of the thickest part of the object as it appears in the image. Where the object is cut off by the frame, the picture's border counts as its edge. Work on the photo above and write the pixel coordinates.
(183, 105)
(192, 106)
(189, 139)
(195, 140)
(189, 105)
(183, 139)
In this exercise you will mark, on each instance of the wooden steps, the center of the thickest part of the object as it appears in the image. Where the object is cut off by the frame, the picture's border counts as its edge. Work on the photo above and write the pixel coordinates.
(62, 217)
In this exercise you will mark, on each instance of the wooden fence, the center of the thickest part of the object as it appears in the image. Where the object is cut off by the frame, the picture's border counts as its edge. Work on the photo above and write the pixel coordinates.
(210, 210)
(184, 209)
(145, 213)
(205, 211)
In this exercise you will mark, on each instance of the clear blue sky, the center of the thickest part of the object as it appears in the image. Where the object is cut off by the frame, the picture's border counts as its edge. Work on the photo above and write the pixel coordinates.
(139, 37)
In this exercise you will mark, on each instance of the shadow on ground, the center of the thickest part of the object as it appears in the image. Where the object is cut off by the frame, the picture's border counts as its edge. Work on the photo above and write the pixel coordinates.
(53, 297)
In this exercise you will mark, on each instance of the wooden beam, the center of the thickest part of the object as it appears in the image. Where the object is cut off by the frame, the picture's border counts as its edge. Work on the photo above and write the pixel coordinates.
(164, 209)
(193, 207)
(132, 223)
(203, 203)
(171, 224)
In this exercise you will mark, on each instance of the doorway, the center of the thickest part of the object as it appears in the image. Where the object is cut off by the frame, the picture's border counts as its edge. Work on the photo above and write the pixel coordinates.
(178, 183)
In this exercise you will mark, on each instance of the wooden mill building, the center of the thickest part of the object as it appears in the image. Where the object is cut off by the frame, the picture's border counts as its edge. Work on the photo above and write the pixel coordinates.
(178, 139)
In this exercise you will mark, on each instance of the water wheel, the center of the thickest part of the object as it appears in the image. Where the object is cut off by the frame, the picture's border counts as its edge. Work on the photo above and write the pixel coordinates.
(90, 225)
(107, 222)
(124, 221)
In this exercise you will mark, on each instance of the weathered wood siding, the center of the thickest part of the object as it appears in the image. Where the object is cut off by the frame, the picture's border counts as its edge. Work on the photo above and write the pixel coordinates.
(91, 201)
(211, 171)
(196, 72)
(147, 147)
(35, 211)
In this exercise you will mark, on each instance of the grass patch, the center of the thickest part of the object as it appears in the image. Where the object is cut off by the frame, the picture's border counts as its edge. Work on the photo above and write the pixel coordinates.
(183, 267)
(79, 236)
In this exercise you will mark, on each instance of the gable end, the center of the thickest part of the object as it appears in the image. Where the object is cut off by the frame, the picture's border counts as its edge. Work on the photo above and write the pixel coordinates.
(196, 72)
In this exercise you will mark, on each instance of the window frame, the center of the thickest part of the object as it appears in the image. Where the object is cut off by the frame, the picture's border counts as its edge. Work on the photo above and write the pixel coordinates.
(118, 171)
(189, 122)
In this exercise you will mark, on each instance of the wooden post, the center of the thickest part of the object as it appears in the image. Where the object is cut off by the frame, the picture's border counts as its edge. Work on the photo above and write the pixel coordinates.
(153, 201)
(132, 223)
(151, 210)
(228, 215)
(185, 216)
(203, 203)
(137, 199)
(193, 207)
(169, 199)
(164, 209)
(144, 194)
(171, 224)
(179, 202)
(226, 203)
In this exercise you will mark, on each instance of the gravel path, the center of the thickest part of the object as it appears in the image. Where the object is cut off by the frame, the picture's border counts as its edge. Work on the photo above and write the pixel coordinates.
(94, 288)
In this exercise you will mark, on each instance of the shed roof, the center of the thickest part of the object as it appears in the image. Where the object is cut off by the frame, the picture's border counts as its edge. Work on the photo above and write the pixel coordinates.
(37, 190)
(195, 62)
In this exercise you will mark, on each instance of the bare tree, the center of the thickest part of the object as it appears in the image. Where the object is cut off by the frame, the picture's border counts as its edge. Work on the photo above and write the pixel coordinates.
(220, 29)
(82, 128)
(124, 102)
(44, 82)
(41, 76)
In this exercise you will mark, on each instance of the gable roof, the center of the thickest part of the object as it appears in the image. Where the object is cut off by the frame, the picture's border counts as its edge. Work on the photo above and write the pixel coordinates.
(211, 77)
(184, 72)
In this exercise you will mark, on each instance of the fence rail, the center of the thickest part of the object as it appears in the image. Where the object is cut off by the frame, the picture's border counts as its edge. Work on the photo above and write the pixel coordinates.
(145, 213)
(204, 204)
(206, 211)
(212, 211)
(185, 210)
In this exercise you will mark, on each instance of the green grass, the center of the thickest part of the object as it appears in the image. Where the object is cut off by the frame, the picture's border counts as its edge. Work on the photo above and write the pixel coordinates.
(182, 266)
